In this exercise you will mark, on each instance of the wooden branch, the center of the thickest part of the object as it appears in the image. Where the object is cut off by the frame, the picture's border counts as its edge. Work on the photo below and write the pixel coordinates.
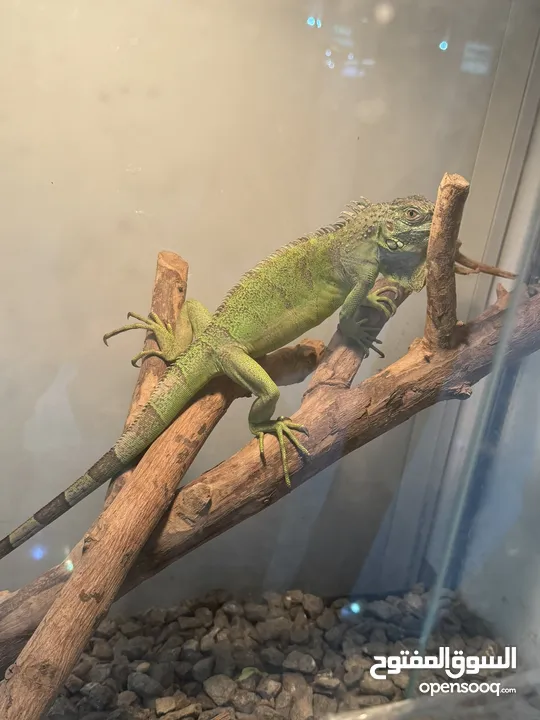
(339, 420)
(112, 544)
(119, 533)
(167, 299)
(441, 315)
(109, 549)
(341, 361)
(464, 270)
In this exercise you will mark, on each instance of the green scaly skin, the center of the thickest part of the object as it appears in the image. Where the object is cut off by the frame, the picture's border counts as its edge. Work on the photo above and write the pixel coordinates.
(283, 297)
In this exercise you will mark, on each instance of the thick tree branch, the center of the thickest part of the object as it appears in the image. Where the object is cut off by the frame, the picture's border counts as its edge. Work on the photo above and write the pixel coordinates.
(339, 421)
(341, 362)
(168, 297)
(119, 533)
(111, 546)
(441, 315)
(21, 611)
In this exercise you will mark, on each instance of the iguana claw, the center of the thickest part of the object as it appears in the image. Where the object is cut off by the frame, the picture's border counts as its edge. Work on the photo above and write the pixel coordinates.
(282, 428)
(382, 303)
(361, 334)
(169, 346)
(366, 337)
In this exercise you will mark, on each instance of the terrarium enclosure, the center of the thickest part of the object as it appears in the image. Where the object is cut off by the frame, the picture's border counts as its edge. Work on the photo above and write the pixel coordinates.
(153, 153)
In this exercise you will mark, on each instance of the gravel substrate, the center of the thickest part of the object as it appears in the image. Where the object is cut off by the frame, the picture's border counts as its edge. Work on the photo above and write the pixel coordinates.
(284, 657)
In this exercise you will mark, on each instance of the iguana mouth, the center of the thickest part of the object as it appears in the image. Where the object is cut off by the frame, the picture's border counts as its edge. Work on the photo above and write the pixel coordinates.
(394, 244)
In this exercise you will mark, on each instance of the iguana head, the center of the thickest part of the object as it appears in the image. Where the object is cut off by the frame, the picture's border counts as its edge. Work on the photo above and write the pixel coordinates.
(405, 223)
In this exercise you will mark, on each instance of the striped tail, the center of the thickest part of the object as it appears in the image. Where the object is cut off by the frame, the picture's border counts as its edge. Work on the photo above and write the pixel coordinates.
(180, 383)
(105, 468)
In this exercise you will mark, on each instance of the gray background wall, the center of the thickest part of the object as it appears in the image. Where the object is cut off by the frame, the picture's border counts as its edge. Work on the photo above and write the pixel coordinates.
(222, 130)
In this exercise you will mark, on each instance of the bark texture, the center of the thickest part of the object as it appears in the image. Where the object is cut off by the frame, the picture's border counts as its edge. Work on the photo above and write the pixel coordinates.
(167, 299)
(441, 316)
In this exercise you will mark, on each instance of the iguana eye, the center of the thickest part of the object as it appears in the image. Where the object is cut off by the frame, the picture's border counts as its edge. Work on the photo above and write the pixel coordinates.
(412, 214)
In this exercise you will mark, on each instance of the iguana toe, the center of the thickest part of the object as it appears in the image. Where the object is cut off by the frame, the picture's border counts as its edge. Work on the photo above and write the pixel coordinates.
(169, 345)
(282, 428)
(381, 302)
(366, 337)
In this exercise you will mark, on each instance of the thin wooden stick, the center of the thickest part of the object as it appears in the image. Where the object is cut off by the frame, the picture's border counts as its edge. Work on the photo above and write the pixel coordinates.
(441, 315)
(473, 266)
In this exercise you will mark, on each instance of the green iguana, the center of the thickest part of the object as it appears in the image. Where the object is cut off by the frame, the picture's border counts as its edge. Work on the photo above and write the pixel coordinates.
(284, 296)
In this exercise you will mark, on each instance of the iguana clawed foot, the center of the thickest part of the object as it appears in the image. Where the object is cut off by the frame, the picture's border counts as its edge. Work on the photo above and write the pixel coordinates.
(366, 335)
(361, 334)
(169, 345)
(382, 303)
(282, 428)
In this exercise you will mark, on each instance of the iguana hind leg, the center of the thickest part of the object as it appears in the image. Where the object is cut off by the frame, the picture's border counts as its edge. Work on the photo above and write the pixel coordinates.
(199, 316)
(247, 372)
(193, 319)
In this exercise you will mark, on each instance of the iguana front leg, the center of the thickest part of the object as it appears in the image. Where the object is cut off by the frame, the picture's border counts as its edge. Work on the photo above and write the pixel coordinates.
(193, 319)
(358, 331)
(381, 302)
(247, 372)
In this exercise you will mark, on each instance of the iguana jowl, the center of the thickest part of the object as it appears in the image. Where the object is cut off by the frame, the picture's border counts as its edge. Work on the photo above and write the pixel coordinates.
(284, 296)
